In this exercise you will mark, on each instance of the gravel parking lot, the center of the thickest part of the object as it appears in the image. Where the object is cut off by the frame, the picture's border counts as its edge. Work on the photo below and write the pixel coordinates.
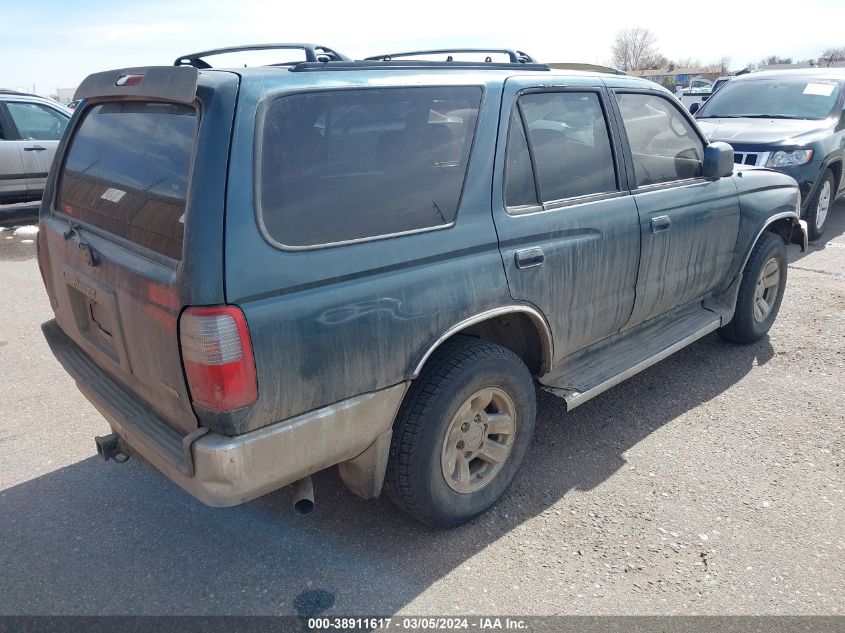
(712, 483)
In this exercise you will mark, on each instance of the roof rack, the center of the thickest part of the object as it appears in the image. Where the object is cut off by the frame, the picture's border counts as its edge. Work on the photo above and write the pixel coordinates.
(411, 65)
(515, 57)
(313, 53)
(18, 93)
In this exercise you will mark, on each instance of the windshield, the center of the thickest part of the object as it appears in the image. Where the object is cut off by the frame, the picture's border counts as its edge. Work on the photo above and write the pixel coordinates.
(781, 98)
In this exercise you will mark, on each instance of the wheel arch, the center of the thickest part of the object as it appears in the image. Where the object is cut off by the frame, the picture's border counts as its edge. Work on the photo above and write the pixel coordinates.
(788, 225)
(836, 167)
(520, 328)
(784, 225)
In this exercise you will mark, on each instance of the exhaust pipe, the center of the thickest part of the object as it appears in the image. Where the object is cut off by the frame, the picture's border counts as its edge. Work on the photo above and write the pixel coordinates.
(303, 496)
(109, 447)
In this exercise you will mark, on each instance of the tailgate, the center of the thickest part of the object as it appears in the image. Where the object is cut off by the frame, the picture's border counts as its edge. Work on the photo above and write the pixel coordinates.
(117, 238)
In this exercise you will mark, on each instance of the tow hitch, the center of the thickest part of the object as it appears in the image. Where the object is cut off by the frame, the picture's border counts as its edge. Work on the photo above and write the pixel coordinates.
(111, 447)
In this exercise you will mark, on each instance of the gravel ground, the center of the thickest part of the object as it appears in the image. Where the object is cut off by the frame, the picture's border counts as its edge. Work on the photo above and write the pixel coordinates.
(712, 483)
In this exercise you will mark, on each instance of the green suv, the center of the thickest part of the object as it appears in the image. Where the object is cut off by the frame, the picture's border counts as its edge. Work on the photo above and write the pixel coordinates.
(261, 273)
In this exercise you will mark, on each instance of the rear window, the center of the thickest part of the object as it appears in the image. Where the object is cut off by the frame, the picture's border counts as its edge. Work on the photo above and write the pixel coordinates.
(127, 172)
(343, 165)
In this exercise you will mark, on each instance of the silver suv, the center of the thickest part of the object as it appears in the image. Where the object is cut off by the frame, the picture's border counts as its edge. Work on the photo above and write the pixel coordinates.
(30, 129)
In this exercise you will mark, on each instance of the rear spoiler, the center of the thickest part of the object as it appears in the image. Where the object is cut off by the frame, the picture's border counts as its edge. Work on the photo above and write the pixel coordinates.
(177, 84)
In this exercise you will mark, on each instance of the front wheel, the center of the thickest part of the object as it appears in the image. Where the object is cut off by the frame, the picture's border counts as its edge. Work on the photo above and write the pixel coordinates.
(819, 207)
(461, 432)
(760, 291)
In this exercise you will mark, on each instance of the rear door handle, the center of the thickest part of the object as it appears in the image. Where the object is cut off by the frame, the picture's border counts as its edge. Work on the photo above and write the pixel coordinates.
(660, 223)
(34, 148)
(530, 257)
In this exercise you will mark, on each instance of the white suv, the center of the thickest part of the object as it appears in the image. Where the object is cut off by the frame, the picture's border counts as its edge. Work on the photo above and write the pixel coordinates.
(30, 129)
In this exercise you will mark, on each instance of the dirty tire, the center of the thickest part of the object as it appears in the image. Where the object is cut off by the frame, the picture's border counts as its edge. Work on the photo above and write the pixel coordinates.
(820, 206)
(744, 327)
(458, 369)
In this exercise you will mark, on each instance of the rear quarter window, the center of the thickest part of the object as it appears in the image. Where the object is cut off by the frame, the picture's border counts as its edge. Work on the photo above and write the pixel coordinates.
(127, 172)
(345, 165)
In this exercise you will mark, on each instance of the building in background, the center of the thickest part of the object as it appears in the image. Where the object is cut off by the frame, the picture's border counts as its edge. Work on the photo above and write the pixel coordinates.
(673, 77)
(820, 63)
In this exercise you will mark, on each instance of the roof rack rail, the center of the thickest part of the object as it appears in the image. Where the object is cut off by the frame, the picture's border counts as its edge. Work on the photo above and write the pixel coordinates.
(593, 68)
(515, 57)
(411, 65)
(313, 53)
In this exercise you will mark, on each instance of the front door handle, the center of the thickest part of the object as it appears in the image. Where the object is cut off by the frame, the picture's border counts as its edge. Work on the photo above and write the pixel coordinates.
(34, 148)
(530, 257)
(660, 224)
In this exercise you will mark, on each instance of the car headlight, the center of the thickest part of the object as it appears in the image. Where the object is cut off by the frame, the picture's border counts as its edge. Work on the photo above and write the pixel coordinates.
(790, 159)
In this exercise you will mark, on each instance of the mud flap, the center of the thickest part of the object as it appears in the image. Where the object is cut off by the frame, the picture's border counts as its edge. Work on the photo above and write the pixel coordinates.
(364, 475)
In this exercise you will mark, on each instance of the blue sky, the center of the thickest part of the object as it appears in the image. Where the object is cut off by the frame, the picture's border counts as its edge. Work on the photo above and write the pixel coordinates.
(55, 43)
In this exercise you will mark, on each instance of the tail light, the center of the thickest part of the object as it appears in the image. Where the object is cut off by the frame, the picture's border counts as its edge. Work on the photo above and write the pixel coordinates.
(218, 358)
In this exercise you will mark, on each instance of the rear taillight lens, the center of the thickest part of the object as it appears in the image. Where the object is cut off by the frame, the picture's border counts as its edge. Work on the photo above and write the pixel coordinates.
(218, 358)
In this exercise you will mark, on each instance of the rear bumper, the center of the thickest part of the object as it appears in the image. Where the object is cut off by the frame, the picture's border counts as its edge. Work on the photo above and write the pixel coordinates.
(225, 471)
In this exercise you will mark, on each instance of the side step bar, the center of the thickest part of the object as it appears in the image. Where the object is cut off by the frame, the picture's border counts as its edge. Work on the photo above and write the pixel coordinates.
(606, 364)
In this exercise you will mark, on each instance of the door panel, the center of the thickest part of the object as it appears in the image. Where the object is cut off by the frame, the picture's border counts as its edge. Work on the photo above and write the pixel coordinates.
(37, 158)
(40, 128)
(575, 259)
(688, 235)
(688, 225)
(12, 182)
(11, 169)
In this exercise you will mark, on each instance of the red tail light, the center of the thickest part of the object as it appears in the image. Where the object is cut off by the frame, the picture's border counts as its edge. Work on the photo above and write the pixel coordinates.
(218, 358)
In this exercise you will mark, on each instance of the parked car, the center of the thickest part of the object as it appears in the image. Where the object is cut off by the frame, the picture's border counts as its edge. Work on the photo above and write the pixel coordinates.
(30, 129)
(789, 120)
(698, 91)
(260, 273)
(719, 83)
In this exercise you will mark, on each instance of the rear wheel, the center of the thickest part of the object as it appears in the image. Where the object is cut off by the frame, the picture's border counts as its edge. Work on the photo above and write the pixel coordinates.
(760, 291)
(819, 207)
(461, 433)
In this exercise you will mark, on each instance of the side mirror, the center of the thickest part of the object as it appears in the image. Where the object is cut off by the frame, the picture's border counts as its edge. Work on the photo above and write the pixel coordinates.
(694, 107)
(718, 160)
(841, 125)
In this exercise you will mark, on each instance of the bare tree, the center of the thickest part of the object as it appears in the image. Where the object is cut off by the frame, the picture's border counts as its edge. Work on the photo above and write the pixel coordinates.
(725, 65)
(831, 55)
(655, 61)
(772, 60)
(687, 62)
(635, 49)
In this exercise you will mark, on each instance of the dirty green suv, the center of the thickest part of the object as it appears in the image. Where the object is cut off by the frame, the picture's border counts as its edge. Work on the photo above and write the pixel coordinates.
(261, 273)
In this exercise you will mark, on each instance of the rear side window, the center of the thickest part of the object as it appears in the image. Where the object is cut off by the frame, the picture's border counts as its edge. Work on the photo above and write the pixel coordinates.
(520, 189)
(571, 144)
(127, 172)
(665, 148)
(345, 165)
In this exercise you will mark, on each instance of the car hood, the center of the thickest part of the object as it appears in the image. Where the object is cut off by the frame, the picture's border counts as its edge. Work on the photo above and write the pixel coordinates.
(764, 131)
